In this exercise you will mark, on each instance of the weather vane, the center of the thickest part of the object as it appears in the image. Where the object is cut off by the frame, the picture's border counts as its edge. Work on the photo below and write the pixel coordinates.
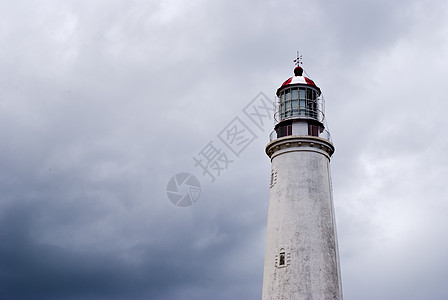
(298, 60)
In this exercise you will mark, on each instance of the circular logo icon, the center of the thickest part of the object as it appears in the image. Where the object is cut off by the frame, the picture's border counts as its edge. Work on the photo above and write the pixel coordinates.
(183, 189)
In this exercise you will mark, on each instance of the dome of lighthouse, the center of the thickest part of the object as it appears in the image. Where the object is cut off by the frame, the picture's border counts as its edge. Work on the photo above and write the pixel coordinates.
(298, 79)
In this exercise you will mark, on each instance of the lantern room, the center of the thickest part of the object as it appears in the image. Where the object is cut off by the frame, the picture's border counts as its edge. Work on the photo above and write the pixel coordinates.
(299, 108)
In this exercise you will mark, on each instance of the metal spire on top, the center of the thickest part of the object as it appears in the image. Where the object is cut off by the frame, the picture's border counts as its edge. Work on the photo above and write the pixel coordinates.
(298, 60)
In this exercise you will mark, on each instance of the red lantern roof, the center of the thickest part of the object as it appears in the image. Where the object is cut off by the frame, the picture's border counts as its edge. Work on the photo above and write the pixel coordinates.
(299, 79)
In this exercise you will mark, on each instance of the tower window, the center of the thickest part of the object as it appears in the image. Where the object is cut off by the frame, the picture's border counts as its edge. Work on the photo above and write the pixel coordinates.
(282, 258)
(281, 261)
(273, 177)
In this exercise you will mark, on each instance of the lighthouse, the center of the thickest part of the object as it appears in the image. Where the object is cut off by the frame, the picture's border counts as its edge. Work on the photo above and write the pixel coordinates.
(301, 257)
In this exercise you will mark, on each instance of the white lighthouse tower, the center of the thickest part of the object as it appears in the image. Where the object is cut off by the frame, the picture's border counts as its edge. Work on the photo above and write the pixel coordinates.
(301, 258)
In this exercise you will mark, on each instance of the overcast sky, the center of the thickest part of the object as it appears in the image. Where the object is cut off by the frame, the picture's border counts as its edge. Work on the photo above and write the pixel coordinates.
(102, 102)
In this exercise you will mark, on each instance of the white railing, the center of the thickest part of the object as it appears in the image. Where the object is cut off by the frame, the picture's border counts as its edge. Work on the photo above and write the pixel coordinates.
(299, 114)
(325, 134)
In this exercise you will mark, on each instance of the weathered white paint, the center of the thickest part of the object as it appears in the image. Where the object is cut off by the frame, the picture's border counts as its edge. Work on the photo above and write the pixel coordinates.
(301, 222)
(300, 127)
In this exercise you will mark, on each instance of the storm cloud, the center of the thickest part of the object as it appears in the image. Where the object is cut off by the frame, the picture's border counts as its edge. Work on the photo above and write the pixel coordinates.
(102, 102)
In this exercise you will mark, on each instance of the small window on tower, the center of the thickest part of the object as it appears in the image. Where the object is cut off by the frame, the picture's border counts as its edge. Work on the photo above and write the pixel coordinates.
(281, 259)
(273, 177)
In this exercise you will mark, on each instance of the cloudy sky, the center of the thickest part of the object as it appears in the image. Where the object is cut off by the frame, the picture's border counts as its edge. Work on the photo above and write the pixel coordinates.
(102, 102)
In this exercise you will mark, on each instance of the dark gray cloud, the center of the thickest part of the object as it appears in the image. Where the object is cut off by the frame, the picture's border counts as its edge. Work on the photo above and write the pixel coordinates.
(101, 103)
(155, 269)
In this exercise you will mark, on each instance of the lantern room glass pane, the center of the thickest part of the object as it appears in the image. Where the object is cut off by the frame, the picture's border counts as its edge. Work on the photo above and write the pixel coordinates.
(288, 108)
(295, 94)
(298, 102)
(295, 107)
(309, 94)
(302, 107)
(302, 93)
(310, 110)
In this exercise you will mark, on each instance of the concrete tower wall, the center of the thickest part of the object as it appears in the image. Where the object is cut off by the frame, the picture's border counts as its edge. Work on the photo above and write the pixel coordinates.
(301, 258)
